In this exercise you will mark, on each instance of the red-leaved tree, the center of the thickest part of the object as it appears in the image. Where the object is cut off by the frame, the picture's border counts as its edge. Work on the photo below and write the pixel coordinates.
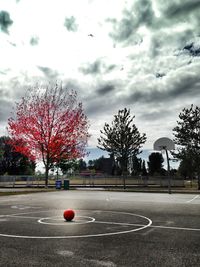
(49, 125)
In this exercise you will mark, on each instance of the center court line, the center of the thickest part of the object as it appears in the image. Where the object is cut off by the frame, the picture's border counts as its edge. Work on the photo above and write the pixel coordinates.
(152, 226)
(126, 224)
(175, 228)
(192, 199)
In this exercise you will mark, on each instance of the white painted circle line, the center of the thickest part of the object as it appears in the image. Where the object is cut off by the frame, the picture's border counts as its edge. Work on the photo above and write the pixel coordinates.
(73, 222)
(90, 235)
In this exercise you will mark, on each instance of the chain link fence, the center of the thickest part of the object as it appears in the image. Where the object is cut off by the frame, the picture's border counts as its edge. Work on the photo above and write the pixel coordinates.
(92, 181)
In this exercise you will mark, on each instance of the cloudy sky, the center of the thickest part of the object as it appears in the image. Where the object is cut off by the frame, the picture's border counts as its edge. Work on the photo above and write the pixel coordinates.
(139, 54)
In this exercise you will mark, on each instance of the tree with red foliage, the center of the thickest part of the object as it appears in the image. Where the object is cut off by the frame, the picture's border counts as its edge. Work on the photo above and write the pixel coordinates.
(49, 125)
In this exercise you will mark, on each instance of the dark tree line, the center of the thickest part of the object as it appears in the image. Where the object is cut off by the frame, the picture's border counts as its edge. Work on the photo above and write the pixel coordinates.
(71, 165)
(14, 163)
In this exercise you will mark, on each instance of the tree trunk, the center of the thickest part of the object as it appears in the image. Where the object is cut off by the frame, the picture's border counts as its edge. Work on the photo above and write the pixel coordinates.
(124, 171)
(198, 182)
(46, 175)
(124, 180)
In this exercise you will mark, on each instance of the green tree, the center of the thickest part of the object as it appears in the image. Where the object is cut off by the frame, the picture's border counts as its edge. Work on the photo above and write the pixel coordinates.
(66, 165)
(91, 164)
(122, 138)
(98, 163)
(187, 137)
(82, 165)
(137, 165)
(14, 163)
(155, 163)
(144, 170)
(187, 166)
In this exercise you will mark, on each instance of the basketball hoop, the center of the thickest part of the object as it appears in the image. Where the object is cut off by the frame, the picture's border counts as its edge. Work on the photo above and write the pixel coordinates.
(164, 145)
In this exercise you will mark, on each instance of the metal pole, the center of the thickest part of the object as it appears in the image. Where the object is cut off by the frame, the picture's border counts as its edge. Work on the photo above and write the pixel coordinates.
(168, 171)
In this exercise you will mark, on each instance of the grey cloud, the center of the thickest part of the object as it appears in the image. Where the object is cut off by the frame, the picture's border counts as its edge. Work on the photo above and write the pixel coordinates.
(5, 109)
(184, 37)
(155, 46)
(71, 84)
(49, 73)
(10, 93)
(141, 13)
(5, 21)
(5, 103)
(105, 89)
(102, 98)
(4, 71)
(34, 40)
(192, 49)
(144, 12)
(182, 8)
(93, 68)
(70, 24)
(163, 43)
(111, 67)
(97, 67)
(3, 93)
(154, 115)
(183, 86)
(180, 12)
(185, 13)
(15, 88)
(98, 106)
(125, 30)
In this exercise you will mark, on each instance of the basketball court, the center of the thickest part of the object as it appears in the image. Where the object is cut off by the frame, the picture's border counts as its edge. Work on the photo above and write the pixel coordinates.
(109, 229)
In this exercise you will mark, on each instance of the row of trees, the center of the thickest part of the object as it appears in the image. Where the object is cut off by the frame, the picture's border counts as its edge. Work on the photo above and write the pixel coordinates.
(137, 166)
(123, 139)
(12, 162)
(49, 125)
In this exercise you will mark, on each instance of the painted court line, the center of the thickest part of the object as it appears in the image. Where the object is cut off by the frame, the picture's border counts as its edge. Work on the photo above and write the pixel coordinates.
(24, 213)
(192, 199)
(141, 227)
(152, 226)
(63, 222)
(175, 228)
(115, 223)
(23, 207)
(23, 217)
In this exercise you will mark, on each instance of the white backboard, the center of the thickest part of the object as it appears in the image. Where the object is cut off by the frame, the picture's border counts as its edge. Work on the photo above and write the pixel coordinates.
(164, 143)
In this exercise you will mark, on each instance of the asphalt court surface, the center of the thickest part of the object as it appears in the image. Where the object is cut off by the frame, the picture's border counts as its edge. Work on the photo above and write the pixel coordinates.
(109, 229)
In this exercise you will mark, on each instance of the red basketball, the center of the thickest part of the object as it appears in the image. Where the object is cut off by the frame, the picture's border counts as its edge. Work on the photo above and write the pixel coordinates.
(68, 214)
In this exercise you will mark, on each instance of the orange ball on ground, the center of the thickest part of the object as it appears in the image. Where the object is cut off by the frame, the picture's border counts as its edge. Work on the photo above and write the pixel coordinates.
(69, 214)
